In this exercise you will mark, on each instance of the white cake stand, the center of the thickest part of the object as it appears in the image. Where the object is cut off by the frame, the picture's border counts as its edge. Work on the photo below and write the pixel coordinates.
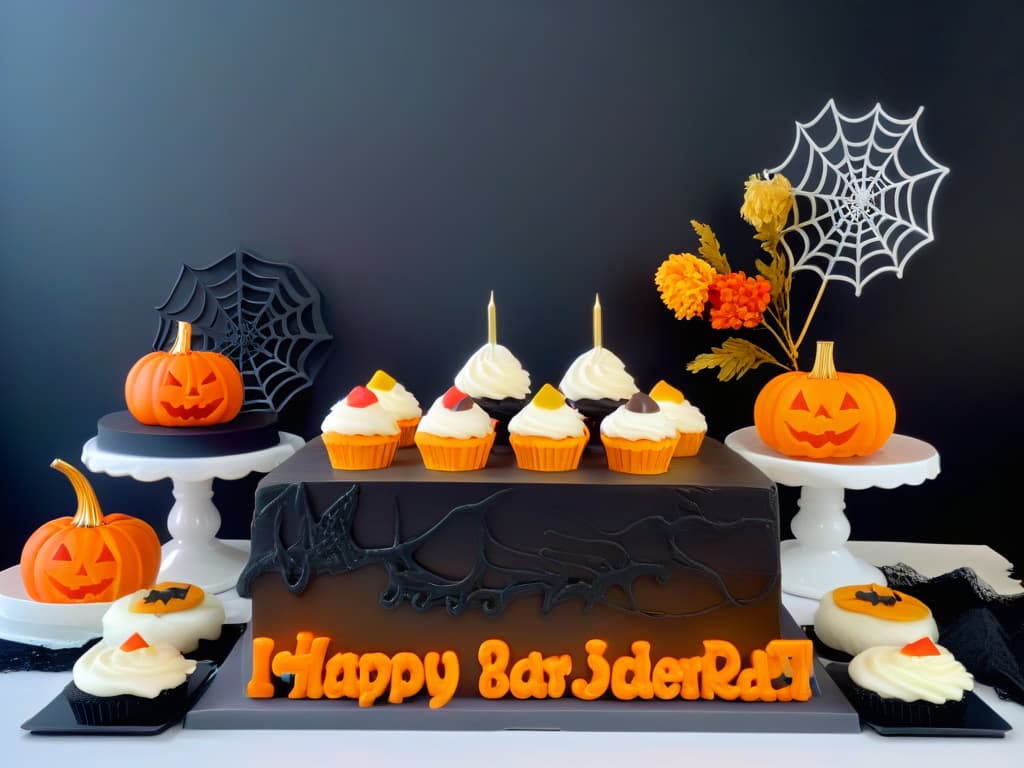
(817, 560)
(194, 554)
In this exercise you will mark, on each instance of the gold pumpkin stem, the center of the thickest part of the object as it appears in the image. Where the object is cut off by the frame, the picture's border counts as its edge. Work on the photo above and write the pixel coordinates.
(88, 514)
(183, 341)
(824, 362)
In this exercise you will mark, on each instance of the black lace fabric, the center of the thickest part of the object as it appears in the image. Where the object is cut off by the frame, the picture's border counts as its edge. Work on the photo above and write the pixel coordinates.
(983, 629)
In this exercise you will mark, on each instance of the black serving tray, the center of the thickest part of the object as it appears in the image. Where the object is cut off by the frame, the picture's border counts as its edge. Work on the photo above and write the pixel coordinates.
(56, 718)
(979, 718)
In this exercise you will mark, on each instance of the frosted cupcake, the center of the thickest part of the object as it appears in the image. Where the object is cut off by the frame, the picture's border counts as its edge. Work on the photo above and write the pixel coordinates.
(497, 382)
(918, 684)
(637, 437)
(399, 402)
(455, 434)
(134, 683)
(359, 434)
(689, 421)
(548, 435)
(597, 383)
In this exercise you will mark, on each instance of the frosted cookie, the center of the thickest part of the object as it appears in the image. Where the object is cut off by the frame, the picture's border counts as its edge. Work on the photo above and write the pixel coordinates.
(175, 613)
(855, 617)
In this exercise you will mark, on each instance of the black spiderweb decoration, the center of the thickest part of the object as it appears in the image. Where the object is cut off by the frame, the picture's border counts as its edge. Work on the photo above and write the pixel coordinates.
(264, 315)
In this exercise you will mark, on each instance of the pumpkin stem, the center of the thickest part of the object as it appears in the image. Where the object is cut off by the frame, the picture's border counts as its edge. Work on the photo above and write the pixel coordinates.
(824, 362)
(88, 514)
(183, 341)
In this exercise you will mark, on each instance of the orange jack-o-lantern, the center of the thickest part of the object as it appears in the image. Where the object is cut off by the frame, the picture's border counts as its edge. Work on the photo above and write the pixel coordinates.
(824, 414)
(88, 558)
(184, 388)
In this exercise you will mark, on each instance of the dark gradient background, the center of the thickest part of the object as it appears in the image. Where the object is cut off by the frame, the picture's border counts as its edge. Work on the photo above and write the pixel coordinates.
(409, 157)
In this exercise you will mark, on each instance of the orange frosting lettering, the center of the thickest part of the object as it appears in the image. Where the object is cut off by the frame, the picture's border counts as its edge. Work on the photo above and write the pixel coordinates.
(557, 668)
(600, 672)
(666, 677)
(795, 660)
(259, 686)
(755, 682)
(716, 679)
(441, 686)
(631, 675)
(691, 667)
(526, 680)
(341, 676)
(493, 656)
(374, 675)
(407, 676)
(306, 664)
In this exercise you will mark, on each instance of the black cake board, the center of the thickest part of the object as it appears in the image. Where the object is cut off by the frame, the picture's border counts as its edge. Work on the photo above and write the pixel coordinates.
(225, 706)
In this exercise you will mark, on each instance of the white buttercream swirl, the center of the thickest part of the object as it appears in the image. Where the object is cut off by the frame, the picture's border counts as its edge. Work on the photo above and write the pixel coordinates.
(891, 674)
(106, 670)
(368, 420)
(686, 416)
(183, 629)
(557, 423)
(597, 374)
(441, 421)
(630, 425)
(493, 371)
(398, 401)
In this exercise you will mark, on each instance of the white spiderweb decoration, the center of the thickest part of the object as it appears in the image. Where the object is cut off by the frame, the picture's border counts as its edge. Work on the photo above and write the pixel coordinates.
(864, 190)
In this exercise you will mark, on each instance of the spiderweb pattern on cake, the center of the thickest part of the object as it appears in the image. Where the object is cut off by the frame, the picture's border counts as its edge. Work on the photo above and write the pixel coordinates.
(864, 191)
(264, 315)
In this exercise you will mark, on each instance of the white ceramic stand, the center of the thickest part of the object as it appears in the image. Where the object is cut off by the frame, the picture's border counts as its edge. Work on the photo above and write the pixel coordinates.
(817, 560)
(194, 554)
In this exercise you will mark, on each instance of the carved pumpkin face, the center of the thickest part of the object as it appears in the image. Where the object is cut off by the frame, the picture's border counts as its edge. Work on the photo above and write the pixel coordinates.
(89, 557)
(824, 414)
(182, 388)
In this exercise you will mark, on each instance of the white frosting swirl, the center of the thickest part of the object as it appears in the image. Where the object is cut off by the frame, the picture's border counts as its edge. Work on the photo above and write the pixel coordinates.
(183, 629)
(597, 374)
(853, 632)
(555, 423)
(492, 371)
(630, 425)
(441, 421)
(398, 401)
(368, 420)
(685, 416)
(106, 670)
(891, 674)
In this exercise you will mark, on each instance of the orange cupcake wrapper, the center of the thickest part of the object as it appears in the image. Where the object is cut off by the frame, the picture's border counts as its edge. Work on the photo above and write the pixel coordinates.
(639, 457)
(408, 427)
(360, 451)
(453, 454)
(546, 454)
(688, 444)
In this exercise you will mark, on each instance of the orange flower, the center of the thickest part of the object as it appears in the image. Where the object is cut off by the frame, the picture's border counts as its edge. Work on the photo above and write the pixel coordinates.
(738, 301)
(683, 281)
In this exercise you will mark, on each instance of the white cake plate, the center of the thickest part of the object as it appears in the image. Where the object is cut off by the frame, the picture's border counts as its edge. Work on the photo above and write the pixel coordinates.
(194, 554)
(818, 560)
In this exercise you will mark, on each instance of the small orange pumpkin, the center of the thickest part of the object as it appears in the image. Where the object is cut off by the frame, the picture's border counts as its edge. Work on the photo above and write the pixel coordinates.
(88, 558)
(824, 414)
(184, 388)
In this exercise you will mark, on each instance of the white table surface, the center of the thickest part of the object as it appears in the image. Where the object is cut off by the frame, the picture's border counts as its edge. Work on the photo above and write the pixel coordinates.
(22, 694)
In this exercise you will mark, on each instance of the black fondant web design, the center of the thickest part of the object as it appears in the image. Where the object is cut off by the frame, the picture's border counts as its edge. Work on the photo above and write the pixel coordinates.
(596, 569)
(264, 315)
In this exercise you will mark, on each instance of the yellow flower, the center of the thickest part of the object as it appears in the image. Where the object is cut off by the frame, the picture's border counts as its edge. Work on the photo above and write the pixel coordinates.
(683, 281)
(767, 203)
